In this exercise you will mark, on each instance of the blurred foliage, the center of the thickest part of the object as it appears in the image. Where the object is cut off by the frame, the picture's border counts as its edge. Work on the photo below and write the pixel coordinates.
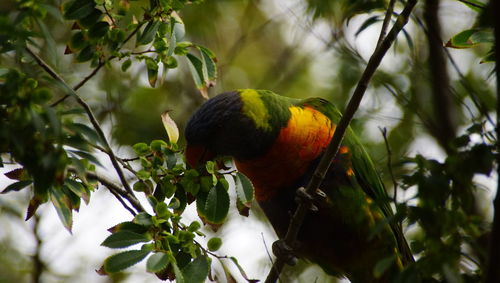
(159, 55)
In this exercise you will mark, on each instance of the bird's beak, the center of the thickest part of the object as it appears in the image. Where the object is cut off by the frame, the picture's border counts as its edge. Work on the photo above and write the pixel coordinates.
(197, 155)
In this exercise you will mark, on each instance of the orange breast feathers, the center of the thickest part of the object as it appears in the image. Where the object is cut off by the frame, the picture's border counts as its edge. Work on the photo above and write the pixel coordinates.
(306, 135)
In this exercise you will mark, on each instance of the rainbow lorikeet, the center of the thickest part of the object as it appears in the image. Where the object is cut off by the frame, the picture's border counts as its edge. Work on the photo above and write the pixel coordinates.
(276, 142)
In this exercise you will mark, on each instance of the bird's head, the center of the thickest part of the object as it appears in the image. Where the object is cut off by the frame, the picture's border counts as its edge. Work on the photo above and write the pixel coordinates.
(239, 124)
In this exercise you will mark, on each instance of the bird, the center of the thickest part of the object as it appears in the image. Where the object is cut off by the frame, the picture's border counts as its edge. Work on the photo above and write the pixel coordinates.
(277, 142)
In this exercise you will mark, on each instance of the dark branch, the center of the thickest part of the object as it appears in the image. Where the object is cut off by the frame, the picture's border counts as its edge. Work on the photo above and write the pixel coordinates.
(443, 124)
(334, 145)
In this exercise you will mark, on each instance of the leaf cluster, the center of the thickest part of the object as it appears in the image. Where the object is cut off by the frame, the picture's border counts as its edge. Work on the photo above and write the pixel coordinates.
(450, 243)
(170, 187)
(44, 142)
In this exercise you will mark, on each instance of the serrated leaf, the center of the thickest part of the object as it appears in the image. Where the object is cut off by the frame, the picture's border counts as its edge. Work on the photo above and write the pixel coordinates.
(157, 262)
(196, 69)
(79, 9)
(179, 277)
(170, 127)
(148, 34)
(79, 189)
(244, 189)
(120, 261)
(197, 270)
(123, 239)
(62, 204)
(17, 186)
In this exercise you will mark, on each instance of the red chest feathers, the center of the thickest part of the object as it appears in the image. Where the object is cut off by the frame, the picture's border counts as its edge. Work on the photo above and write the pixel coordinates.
(306, 135)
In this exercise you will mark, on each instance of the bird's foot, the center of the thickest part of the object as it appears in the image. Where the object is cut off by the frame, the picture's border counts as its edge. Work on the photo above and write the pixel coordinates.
(303, 196)
(284, 251)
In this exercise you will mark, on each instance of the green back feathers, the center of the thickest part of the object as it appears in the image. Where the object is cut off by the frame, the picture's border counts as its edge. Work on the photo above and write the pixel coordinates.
(265, 108)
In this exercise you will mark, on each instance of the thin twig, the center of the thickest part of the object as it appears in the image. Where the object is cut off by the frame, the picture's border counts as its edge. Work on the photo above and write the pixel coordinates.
(96, 126)
(385, 23)
(334, 145)
(493, 262)
(102, 63)
(115, 189)
(389, 165)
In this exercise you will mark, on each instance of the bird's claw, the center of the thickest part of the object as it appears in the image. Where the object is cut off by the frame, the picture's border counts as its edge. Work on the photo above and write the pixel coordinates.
(284, 251)
(304, 196)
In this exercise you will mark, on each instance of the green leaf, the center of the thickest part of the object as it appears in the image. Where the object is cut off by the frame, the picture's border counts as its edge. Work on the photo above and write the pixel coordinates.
(470, 38)
(77, 42)
(148, 33)
(79, 9)
(196, 69)
(179, 277)
(214, 244)
(152, 73)
(197, 270)
(17, 186)
(62, 204)
(128, 226)
(126, 64)
(244, 189)
(87, 131)
(86, 155)
(98, 30)
(79, 189)
(161, 209)
(122, 239)
(91, 19)
(141, 148)
(474, 5)
(86, 54)
(143, 218)
(209, 68)
(214, 207)
(120, 261)
(157, 262)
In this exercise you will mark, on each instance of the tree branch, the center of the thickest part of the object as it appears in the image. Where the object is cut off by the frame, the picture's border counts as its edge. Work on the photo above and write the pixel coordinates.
(387, 20)
(334, 145)
(493, 264)
(95, 124)
(443, 124)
